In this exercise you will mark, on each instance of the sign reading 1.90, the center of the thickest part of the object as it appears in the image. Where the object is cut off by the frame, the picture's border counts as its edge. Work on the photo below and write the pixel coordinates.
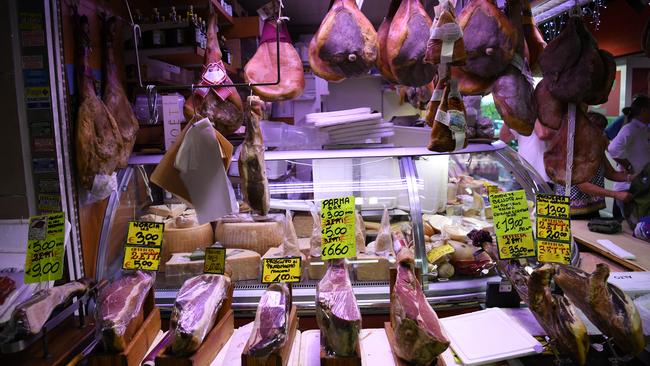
(338, 231)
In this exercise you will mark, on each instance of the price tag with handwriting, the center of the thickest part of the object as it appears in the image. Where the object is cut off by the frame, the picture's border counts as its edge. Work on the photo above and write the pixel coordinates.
(438, 252)
(276, 270)
(553, 229)
(143, 258)
(512, 225)
(215, 260)
(45, 248)
(337, 223)
(145, 233)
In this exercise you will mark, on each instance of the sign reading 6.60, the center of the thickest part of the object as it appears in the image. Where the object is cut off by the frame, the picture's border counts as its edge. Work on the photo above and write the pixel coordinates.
(337, 233)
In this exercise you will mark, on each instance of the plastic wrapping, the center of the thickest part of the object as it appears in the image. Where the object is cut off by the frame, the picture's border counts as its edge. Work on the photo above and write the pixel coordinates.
(360, 233)
(316, 238)
(418, 334)
(384, 242)
(271, 321)
(13, 292)
(337, 312)
(119, 304)
(290, 242)
(195, 311)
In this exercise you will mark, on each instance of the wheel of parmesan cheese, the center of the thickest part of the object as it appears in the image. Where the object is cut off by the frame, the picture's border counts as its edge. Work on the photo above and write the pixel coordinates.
(255, 236)
(178, 240)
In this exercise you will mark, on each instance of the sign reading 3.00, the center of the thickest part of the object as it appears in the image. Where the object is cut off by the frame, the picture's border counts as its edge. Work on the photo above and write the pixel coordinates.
(338, 231)
(145, 233)
(143, 245)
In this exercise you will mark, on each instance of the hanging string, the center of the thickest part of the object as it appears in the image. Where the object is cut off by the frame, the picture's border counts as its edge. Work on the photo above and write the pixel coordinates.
(569, 148)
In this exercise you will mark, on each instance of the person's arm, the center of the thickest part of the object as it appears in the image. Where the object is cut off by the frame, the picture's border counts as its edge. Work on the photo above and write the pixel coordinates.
(505, 134)
(598, 191)
(618, 149)
(542, 132)
(613, 174)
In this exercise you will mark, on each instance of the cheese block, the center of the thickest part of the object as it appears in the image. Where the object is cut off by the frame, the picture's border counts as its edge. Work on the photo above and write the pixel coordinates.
(303, 225)
(373, 271)
(255, 236)
(180, 240)
(244, 265)
(304, 246)
(437, 221)
(151, 218)
(172, 210)
(316, 268)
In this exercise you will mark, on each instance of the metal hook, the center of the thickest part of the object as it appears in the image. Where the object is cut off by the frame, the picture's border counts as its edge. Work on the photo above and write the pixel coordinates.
(137, 33)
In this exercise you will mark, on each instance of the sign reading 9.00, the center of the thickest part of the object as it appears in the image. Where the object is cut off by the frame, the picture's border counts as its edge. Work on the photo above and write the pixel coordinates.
(143, 245)
(337, 228)
(45, 247)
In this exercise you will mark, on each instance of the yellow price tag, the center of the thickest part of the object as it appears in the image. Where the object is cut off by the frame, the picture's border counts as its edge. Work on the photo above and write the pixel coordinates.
(145, 233)
(551, 205)
(512, 225)
(554, 229)
(45, 248)
(551, 251)
(491, 189)
(139, 257)
(438, 252)
(337, 223)
(215, 260)
(276, 270)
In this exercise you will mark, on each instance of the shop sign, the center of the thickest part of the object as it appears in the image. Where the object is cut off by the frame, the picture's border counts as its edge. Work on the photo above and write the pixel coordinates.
(45, 248)
(338, 231)
(275, 270)
(553, 229)
(512, 225)
(215, 260)
(143, 245)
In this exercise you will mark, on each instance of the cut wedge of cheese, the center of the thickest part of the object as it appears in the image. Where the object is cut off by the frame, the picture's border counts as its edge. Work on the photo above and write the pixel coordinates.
(172, 210)
(377, 268)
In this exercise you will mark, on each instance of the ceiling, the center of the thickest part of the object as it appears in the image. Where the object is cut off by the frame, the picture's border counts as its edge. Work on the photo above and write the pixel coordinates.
(305, 15)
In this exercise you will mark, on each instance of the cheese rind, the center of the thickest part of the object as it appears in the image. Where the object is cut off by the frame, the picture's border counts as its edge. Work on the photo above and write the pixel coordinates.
(256, 236)
(244, 265)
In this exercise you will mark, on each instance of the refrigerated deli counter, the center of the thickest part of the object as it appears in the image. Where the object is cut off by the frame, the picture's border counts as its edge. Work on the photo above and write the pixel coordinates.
(434, 198)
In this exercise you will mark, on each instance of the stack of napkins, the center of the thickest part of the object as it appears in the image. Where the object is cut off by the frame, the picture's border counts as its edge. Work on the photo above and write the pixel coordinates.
(351, 128)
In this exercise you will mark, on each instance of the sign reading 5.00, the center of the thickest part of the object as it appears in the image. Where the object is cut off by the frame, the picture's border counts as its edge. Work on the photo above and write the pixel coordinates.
(45, 247)
(145, 233)
(276, 270)
(144, 258)
(337, 223)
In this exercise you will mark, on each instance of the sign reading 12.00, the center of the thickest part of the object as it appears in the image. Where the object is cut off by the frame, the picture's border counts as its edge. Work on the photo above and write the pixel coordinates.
(45, 247)
(337, 223)
(143, 245)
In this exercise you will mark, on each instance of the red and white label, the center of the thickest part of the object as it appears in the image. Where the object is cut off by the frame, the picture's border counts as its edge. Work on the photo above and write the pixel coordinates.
(214, 73)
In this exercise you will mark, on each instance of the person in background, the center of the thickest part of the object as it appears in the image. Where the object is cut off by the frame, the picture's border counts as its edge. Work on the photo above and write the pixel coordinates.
(613, 129)
(531, 148)
(588, 198)
(631, 146)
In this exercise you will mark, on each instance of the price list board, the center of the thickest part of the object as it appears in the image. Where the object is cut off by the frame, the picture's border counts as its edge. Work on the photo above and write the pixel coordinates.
(337, 228)
(553, 229)
(512, 225)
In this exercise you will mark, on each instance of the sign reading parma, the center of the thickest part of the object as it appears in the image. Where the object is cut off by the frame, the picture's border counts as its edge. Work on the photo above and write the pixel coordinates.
(338, 231)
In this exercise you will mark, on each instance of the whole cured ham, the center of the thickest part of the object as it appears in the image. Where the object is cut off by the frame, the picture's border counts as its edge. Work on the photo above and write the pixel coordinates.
(195, 311)
(573, 65)
(115, 97)
(418, 334)
(513, 94)
(270, 329)
(490, 39)
(222, 106)
(383, 63)
(557, 316)
(600, 94)
(337, 312)
(119, 304)
(550, 111)
(449, 131)
(252, 168)
(97, 135)
(470, 84)
(589, 148)
(262, 68)
(604, 304)
(446, 43)
(407, 44)
(345, 44)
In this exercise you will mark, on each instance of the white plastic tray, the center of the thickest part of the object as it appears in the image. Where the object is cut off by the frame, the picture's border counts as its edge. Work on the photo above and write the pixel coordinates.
(487, 336)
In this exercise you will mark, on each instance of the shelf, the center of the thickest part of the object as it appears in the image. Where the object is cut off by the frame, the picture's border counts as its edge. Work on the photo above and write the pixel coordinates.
(188, 56)
(224, 18)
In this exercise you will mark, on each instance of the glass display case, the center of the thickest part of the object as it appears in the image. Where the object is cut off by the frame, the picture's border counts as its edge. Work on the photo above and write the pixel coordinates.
(435, 199)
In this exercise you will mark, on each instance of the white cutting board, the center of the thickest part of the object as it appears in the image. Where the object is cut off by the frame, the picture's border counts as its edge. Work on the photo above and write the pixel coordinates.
(362, 138)
(487, 336)
(343, 130)
(366, 122)
(374, 346)
(231, 352)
